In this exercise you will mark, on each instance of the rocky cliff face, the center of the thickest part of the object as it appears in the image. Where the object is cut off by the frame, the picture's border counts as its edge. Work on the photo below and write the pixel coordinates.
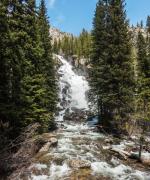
(134, 33)
(56, 34)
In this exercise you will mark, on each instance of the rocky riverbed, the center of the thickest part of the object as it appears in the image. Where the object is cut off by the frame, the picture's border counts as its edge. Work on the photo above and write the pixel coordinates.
(76, 151)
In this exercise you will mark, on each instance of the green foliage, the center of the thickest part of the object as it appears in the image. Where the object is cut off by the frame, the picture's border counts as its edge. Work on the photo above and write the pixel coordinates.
(27, 75)
(143, 83)
(148, 24)
(112, 75)
(71, 45)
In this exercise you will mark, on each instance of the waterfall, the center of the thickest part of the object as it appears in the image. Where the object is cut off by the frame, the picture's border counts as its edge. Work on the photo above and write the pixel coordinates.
(73, 89)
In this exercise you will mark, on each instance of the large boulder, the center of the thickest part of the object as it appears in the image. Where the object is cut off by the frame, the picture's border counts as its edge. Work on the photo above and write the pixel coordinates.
(45, 148)
(79, 164)
(76, 115)
(146, 161)
(46, 137)
(48, 140)
(53, 142)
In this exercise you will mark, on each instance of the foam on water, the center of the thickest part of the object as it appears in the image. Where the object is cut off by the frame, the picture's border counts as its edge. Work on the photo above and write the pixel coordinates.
(39, 166)
(41, 177)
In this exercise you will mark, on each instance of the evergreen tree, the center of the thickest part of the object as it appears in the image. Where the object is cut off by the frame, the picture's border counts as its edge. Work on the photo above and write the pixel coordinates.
(13, 56)
(71, 45)
(143, 110)
(148, 24)
(48, 64)
(99, 68)
(121, 62)
(32, 86)
(28, 87)
(142, 54)
(55, 47)
(112, 77)
(4, 64)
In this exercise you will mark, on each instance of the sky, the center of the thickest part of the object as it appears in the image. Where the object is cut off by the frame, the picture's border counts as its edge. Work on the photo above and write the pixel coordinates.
(74, 15)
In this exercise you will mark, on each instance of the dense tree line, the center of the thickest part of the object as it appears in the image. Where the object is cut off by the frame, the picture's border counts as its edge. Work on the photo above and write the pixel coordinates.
(72, 45)
(27, 75)
(112, 77)
(28, 91)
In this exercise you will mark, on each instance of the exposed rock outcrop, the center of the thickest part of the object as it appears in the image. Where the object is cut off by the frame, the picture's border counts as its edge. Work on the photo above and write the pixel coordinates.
(56, 34)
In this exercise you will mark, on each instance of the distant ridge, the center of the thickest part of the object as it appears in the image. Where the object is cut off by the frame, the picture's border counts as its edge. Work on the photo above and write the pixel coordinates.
(57, 34)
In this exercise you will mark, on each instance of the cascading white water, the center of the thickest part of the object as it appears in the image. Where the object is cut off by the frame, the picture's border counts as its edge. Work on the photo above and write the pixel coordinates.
(77, 141)
(78, 85)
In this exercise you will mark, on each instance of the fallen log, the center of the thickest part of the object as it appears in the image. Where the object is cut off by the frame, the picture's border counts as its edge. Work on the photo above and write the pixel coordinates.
(125, 155)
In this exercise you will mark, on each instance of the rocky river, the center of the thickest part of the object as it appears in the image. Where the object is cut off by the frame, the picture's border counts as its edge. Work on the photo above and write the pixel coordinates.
(81, 152)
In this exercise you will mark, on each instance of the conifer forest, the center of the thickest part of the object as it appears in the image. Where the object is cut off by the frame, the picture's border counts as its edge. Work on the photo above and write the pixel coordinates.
(74, 106)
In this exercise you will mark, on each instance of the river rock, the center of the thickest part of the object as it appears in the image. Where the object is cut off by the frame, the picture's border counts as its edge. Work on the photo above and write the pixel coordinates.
(50, 142)
(79, 164)
(53, 142)
(45, 148)
(109, 141)
(46, 137)
(43, 158)
(145, 161)
(77, 115)
(39, 169)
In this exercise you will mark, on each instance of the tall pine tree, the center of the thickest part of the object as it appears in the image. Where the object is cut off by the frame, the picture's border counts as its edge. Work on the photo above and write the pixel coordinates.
(112, 77)
(143, 110)
(47, 64)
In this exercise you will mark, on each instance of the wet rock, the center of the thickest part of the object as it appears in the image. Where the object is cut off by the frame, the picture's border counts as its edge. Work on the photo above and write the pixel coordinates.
(59, 160)
(81, 174)
(53, 142)
(43, 158)
(65, 90)
(61, 108)
(64, 103)
(114, 161)
(79, 164)
(145, 161)
(134, 156)
(26, 175)
(46, 137)
(45, 148)
(49, 140)
(85, 174)
(75, 109)
(76, 115)
(39, 169)
(109, 141)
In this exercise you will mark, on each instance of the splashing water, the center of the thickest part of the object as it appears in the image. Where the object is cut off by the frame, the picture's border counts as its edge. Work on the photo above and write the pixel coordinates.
(78, 85)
